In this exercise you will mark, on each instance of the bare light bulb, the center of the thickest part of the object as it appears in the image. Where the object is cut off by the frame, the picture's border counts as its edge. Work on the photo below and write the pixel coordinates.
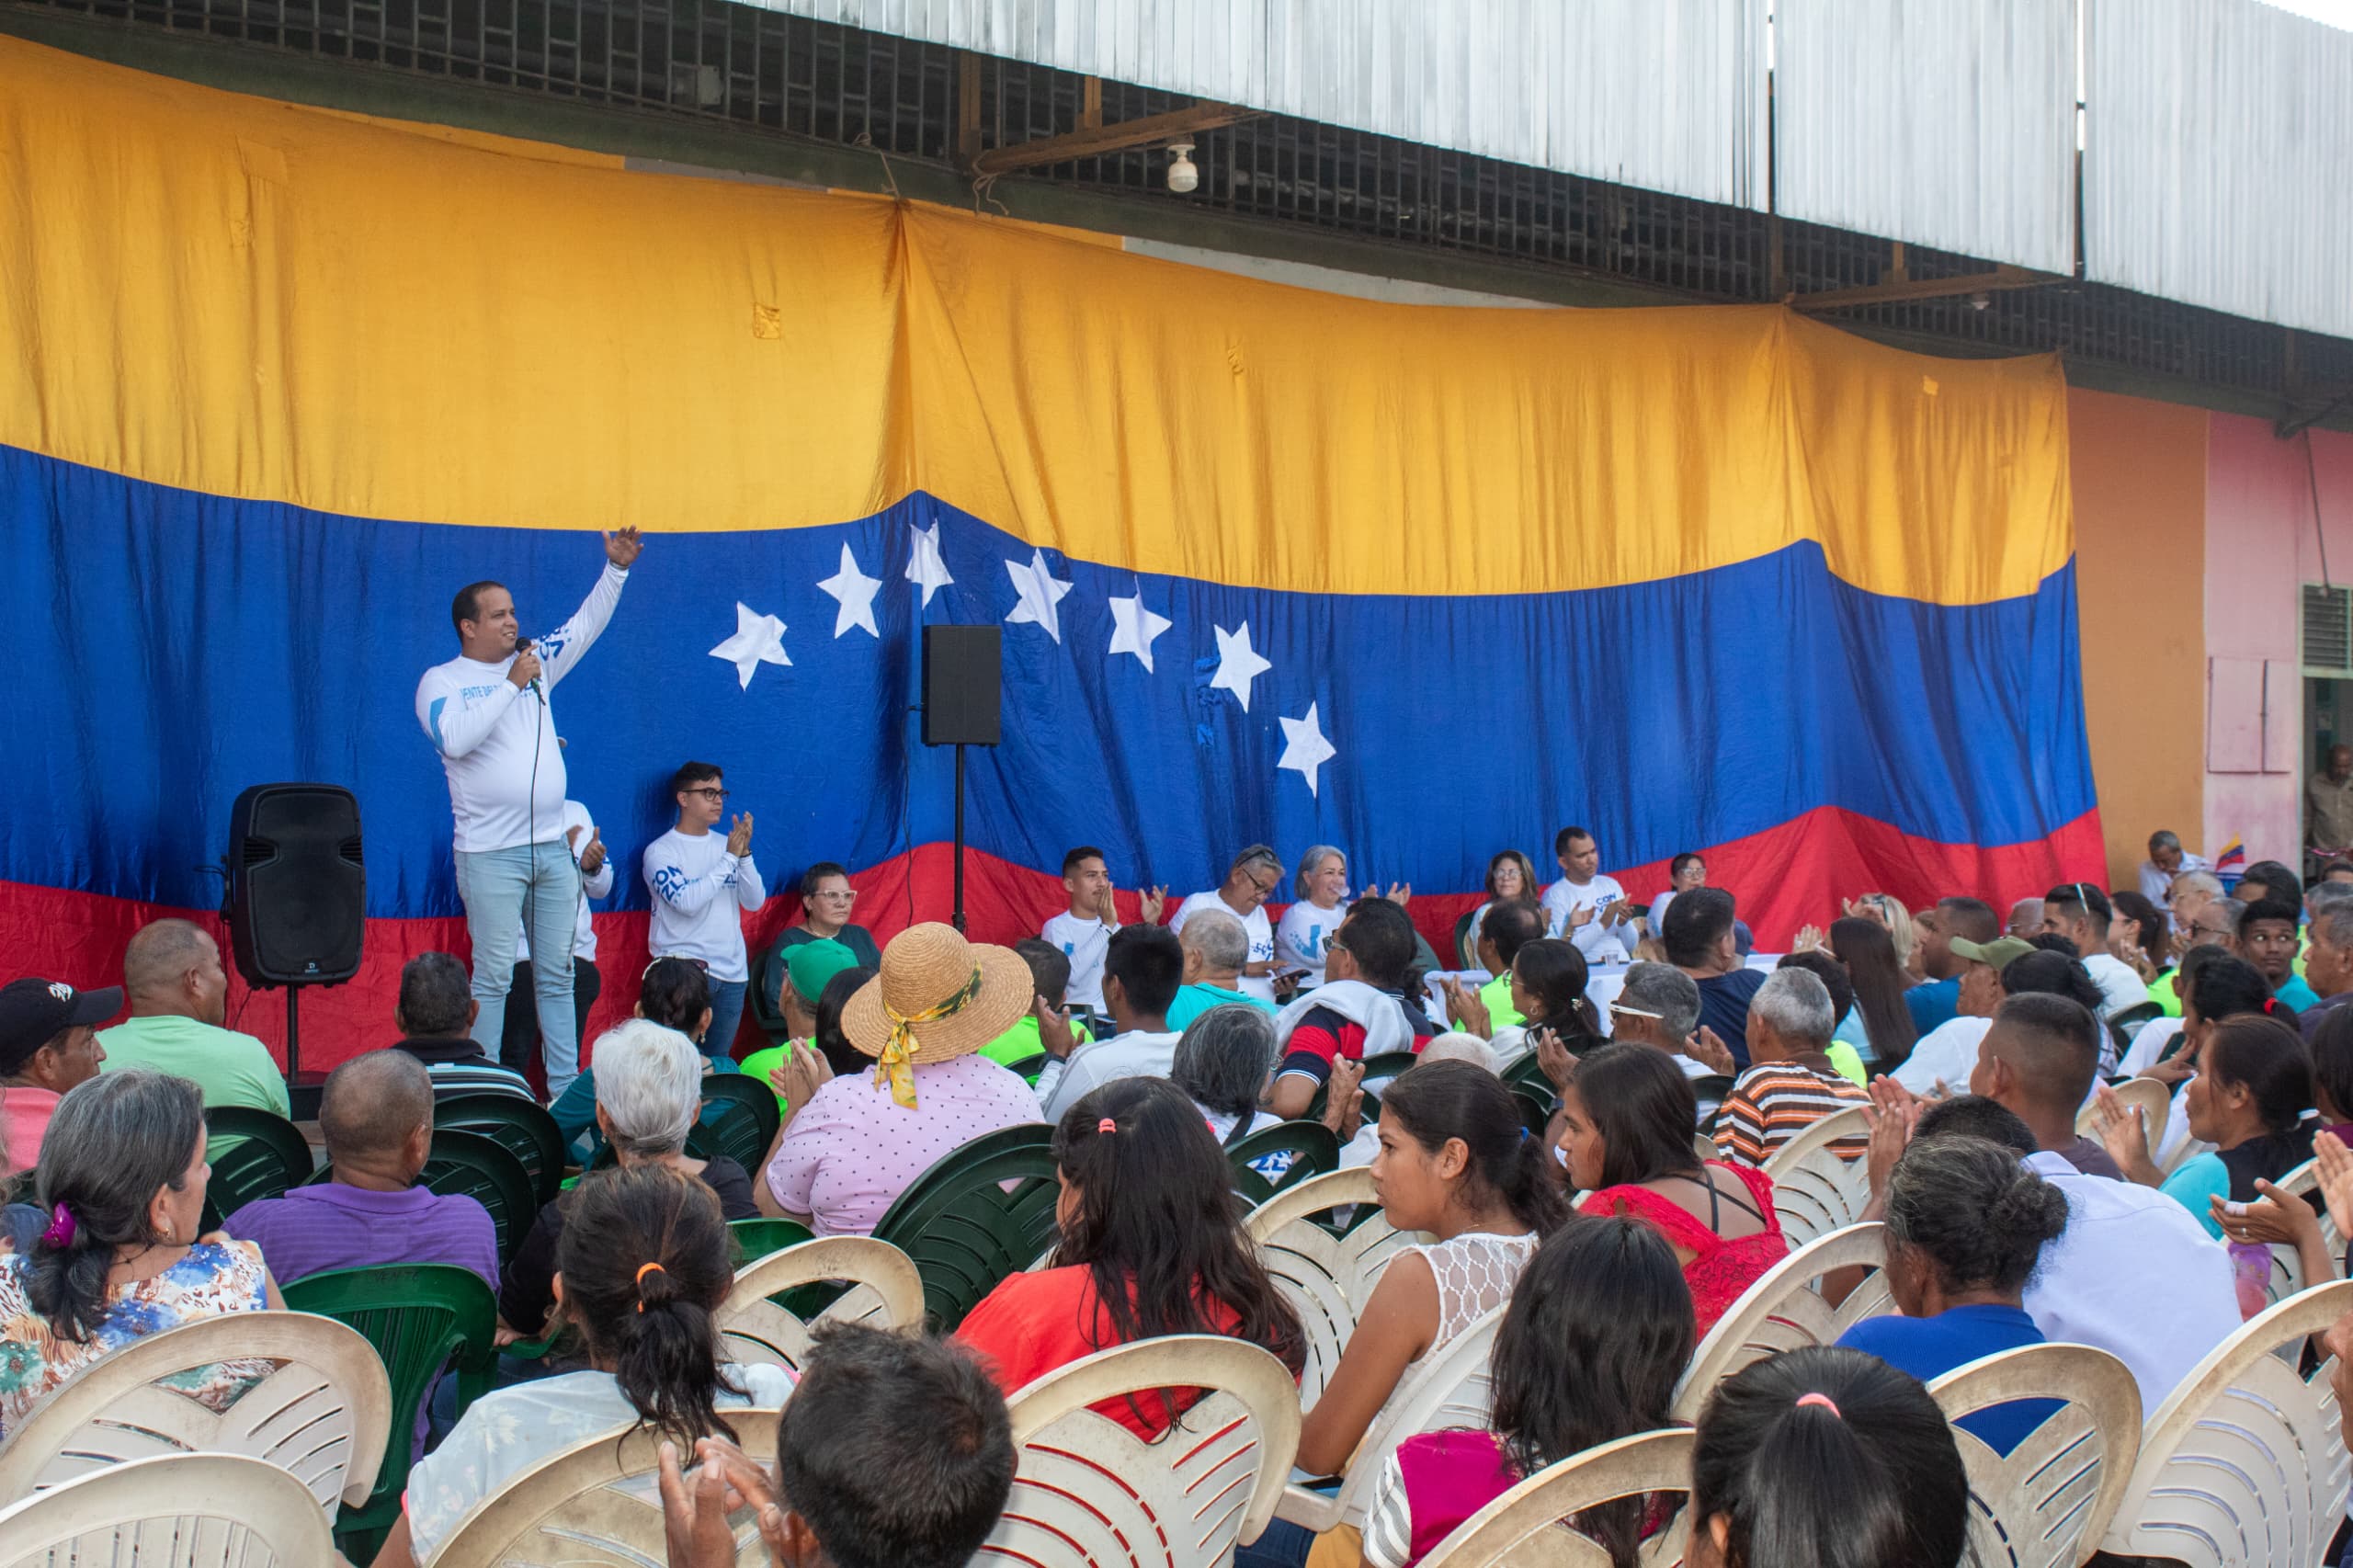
(1184, 176)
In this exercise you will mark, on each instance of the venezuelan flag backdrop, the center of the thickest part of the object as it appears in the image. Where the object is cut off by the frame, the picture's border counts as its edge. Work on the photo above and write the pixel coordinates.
(1424, 582)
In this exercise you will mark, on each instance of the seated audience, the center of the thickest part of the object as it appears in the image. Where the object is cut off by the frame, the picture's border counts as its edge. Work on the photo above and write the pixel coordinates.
(2124, 1246)
(2332, 1053)
(827, 899)
(1548, 979)
(1222, 1063)
(1699, 941)
(2139, 935)
(1215, 948)
(1455, 1162)
(2221, 987)
(649, 1094)
(1506, 927)
(1321, 885)
(121, 1181)
(1881, 991)
(1845, 1053)
(48, 1044)
(894, 1451)
(1658, 1006)
(1825, 1457)
(1686, 870)
(1936, 1000)
(1022, 1046)
(2269, 935)
(641, 1271)
(1965, 1225)
(1365, 1006)
(1511, 879)
(2269, 879)
(1949, 1054)
(179, 997)
(1626, 1120)
(1793, 1084)
(436, 1010)
(850, 1146)
(2080, 912)
(809, 968)
(2161, 1037)
(1250, 880)
(2040, 1062)
(1149, 1244)
(1143, 967)
(2328, 959)
(376, 1114)
(2254, 1086)
(2026, 917)
(671, 993)
(1597, 1334)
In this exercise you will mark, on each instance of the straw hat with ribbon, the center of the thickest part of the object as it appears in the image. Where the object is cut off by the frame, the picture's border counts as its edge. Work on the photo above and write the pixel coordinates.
(937, 997)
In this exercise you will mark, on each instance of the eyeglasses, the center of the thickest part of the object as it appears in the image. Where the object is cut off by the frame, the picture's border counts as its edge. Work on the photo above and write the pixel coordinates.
(838, 895)
(1263, 889)
(706, 792)
(1622, 1009)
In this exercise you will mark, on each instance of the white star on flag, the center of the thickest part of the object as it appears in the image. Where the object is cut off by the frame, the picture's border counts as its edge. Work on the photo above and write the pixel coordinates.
(1039, 592)
(924, 565)
(758, 639)
(1134, 626)
(1304, 748)
(1238, 664)
(854, 591)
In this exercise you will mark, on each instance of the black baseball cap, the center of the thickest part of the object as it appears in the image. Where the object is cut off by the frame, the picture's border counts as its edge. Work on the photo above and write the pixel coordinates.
(34, 1012)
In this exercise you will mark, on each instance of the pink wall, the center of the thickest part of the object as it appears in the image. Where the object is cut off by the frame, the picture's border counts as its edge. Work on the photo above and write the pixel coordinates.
(2260, 547)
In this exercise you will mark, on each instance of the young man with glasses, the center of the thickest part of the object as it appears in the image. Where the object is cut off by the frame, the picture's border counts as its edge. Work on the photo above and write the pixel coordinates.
(1256, 873)
(702, 884)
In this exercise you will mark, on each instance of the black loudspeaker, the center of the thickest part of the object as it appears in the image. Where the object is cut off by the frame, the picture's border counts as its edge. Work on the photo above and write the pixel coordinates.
(298, 889)
(963, 679)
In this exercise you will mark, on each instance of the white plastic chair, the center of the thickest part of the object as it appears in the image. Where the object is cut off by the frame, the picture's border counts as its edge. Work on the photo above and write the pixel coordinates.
(1785, 1310)
(1087, 1490)
(1815, 1191)
(595, 1505)
(2287, 1268)
(2244, 1463)
(1451, 1389)
(885, 1292)
(321, 1412)
(1523, 1528)
(173, 1511)
(2152, 1096)
(1327, 1279)
(2047, 1502)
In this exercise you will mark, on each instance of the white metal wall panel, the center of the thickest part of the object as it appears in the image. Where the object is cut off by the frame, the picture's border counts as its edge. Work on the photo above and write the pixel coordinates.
(1664, 95)
(1951, 124)
(2218, 158)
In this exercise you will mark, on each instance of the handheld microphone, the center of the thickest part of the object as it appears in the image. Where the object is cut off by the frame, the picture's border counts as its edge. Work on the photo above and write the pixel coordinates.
(523, 645)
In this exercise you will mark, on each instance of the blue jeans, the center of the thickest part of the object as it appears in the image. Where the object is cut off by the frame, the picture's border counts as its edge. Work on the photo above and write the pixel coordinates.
(1285, 1545)
(502, 888)
(726, 1014)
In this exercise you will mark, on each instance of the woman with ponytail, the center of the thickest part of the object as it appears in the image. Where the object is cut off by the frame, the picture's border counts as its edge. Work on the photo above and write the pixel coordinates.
(120, 1188)
(642, 1265)
(1966, 1224)
(1825, 1457)
(1455, 1161)
(1150, 1242)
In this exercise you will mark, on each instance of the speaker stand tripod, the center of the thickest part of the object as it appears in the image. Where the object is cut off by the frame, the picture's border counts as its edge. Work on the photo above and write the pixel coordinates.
(956, 915)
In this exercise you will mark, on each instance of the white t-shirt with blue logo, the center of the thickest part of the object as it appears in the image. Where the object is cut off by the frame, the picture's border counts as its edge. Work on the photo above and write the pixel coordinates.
(1083, 942)
(1304, 934)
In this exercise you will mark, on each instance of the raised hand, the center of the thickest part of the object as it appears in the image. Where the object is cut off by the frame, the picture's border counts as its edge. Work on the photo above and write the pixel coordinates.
(1582, 917)
(1149, 902)
(524, 670)
(622, 547)
(1343, 1099)
(1553, 1058)
(803, 1073)
(1054, 1033)
(2122, 1133)
(1710, 1052)
(592, 859)
(739, 835)
(1892, 1114)
(1808, 938)
(2336, 1178)
(1465, 1006)
(1400, 893)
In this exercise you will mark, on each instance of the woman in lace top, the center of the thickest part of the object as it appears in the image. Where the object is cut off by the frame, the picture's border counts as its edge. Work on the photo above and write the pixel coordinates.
(1626, 1120)
(1455, 1162)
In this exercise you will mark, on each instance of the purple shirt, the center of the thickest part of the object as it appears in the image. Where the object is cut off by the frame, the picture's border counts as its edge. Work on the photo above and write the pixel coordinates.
(853, 1149)
(313, 1229)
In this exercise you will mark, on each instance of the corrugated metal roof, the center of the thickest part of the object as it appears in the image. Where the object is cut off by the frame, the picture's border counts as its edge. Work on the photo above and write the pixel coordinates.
(2218, 158)
(1666, 95)
(1951, 125)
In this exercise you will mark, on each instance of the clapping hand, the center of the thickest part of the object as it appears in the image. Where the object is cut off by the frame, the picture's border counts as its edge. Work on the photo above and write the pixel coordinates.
(1809, 939)
(1710, 1052)
(1892, 1114)
(1343, 1099)
(2336, 1180)
(1150, 903)
(803, 1071)
(739, 835)
(1583, 916)
(1864, 908)
(2122, 1133)
(694, 1516)
(622, 547)
(1465, 1006)
(1400, 893)
(1054, 1033)
(1553, 1058)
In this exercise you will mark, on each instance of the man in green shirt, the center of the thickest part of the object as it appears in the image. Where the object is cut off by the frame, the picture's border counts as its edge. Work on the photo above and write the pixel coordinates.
(1216, 950)
(808, 966)
(1021, 1046)
(179, 998)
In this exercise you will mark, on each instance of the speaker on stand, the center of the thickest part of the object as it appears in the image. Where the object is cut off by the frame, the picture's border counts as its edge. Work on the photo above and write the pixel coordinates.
(964, 686)
(298, 893)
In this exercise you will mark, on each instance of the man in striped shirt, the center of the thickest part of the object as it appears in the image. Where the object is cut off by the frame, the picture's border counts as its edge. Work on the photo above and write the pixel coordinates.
(434, 1015)
(1790, 1083)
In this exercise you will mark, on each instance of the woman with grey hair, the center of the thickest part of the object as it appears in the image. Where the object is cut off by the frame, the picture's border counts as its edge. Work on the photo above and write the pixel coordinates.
(120, 1187)
(648, 1091)
(1308, 925)
(1223, 1061)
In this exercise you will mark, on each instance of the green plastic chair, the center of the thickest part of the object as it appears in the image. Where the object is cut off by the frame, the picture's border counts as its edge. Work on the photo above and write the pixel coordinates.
(254, 1154)
(1317, 1148)
(484, 1170)
(760, 996)
(1535, 1109)
(1029, 1067)
(1388, 1064)
(1715, 1086)
(964, 1230)
(756, 1239)
(529, 1133)
(420, 1317)
(1525, 1074)
(739, 1119)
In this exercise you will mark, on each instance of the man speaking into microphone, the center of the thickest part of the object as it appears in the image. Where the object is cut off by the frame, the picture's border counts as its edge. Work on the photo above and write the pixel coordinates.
(486, 713)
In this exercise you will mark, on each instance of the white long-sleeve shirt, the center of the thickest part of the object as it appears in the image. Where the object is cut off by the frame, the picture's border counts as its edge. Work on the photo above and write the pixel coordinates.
(584, 936)
(1598, 943)
(698, 889)
(497, 741)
